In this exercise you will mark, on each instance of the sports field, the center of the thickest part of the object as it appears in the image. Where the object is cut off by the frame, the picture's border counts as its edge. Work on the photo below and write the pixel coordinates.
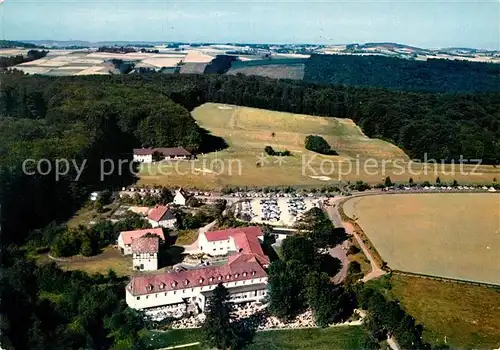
(455, 235)
(248, 131)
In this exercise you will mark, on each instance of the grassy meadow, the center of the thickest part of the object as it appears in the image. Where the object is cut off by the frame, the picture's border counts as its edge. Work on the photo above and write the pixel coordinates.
(468, 316)
(454, 235)
(347, 337)
(248, 131)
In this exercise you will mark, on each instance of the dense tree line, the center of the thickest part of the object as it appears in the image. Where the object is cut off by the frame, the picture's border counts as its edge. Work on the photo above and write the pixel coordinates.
(433, 75)
(443, 126)
(116, 49)
(80, 123)
(8, 44)
(45, 308)
(387, 318)
(18, 59)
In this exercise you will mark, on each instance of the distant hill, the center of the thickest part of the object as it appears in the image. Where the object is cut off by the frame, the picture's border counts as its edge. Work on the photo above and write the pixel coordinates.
(83, 43)
(387, 46)
(8, 44)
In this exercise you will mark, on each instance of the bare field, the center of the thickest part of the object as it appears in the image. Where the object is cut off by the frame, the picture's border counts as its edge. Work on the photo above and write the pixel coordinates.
(249, 130)
(455, 235)
(275, 71)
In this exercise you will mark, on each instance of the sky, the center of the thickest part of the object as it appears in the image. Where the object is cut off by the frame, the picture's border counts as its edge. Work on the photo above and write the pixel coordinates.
(424, 23)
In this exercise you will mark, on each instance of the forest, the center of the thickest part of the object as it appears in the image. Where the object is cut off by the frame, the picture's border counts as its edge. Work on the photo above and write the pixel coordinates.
(104, 117)
(96, 118)
(433, 75)
(7, 44)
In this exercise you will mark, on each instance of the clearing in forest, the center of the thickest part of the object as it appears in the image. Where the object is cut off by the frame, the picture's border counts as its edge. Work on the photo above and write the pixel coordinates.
(247, 131)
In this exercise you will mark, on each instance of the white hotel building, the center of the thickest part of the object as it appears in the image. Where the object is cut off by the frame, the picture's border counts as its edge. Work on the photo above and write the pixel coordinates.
(243, 275)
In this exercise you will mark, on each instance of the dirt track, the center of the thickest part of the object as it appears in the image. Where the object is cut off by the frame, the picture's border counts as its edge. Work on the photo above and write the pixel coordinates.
(333, 214)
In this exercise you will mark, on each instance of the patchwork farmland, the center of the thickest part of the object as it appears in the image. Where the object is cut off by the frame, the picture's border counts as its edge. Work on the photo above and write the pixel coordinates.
(455, 235)
(89, 62)
(247, 131)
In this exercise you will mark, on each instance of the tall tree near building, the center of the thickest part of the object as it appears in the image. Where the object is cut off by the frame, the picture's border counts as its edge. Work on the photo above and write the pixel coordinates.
(219, 330)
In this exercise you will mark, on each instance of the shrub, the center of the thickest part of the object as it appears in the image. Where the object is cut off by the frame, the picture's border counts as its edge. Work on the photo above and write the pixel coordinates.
(353, 250)
(388, 182)
(319, 145)
(271, 152)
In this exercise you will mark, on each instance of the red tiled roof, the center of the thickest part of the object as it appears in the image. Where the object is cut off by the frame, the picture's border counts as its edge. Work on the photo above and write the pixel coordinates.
(174, 151)
(165, 151)
(240, 271)
(143, 151)
(160, 213)
(128, 236)
(145, 245)
(245, 239)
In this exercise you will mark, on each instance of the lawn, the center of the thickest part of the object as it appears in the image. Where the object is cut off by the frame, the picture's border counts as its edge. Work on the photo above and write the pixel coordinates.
(468, 316)
(247, 131)
(350, 337)
(186, 237)
(454, 235)
(109, 258)
(87, 214)
(173, 337)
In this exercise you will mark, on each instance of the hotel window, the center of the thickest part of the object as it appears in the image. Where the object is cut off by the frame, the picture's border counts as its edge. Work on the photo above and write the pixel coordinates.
(138, 298)
(165, 294)
(147, 296)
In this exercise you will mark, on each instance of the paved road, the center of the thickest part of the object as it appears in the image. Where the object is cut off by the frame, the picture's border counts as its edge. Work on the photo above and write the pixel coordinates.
(334, 215)
(391, 341)
(193, 247)
(339, 252)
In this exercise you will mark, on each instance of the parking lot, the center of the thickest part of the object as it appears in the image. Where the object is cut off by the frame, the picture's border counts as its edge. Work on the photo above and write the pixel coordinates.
(275, 211)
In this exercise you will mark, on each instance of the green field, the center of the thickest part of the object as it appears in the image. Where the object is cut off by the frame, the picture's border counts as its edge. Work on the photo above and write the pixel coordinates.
(173, 337)
(468, 316)
(249, 130)
(454, 235)
(349, 337)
